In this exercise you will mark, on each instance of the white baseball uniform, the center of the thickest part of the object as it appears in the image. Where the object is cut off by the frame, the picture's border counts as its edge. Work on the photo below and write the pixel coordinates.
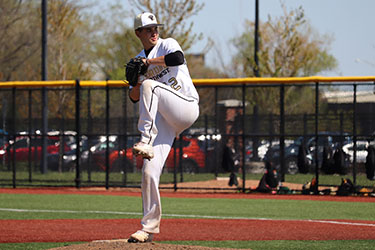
(168, 105)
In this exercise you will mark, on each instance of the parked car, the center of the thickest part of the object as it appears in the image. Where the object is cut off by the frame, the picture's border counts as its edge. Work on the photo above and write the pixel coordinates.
(290, 156)
(116, 156)
(361, 151)
(193, 156)
(331, 140)
(68, 158)
(23, 144)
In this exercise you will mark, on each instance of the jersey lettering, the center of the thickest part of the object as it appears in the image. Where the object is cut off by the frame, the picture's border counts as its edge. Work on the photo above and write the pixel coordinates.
(174, 84)
(159, 75)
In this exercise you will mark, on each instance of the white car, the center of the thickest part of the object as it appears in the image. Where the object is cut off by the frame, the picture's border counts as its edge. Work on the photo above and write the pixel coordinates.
(361, 151)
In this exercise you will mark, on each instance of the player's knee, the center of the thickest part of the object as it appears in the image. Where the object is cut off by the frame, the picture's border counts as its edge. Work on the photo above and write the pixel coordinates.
(149, 177)
(148, 170)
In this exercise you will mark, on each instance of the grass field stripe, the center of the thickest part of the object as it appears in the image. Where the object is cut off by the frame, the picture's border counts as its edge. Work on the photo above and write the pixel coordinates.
(182, 216)
(66, 211)
(128, 213)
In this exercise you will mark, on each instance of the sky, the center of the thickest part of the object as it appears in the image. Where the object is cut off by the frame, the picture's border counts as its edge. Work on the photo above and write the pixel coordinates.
(349, 22)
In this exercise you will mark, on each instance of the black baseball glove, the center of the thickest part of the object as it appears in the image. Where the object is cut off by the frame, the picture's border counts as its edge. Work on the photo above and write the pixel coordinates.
(134, 68)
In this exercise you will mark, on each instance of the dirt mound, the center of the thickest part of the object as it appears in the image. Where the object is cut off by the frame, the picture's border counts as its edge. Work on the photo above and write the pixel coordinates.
(123, 244)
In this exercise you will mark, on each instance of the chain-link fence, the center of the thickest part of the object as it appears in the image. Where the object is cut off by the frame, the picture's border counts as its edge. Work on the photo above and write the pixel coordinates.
(301, 128)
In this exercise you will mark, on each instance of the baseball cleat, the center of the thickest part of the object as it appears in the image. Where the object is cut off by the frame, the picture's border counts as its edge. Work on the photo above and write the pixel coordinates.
(140, 237)
(144, 150)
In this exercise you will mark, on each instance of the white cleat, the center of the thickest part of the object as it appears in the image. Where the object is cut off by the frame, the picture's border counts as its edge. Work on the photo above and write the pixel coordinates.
(140, 237)
(143, 149)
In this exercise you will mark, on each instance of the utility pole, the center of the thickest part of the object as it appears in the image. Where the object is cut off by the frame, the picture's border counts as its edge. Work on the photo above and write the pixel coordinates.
(256, 43)
(256, 73)
(43, 162)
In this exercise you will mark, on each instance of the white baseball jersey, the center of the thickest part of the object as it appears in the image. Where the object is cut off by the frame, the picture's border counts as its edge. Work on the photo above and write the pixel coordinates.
(168, 105)
(177, 77)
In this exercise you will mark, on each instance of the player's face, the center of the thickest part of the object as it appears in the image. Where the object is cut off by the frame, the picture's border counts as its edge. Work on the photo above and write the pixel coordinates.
(148, 36)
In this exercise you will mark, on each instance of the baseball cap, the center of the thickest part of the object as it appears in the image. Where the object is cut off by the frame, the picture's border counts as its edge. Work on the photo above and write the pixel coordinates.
(146, 19)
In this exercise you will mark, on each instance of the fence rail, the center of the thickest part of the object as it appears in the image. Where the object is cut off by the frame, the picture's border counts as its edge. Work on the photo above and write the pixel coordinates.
(99, 110)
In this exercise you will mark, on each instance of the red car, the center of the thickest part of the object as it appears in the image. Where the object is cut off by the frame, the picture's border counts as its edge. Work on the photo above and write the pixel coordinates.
(193, 157)
(23, 144)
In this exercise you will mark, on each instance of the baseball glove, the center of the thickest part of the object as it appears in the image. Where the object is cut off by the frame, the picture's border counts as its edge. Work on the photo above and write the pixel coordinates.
(133, 69)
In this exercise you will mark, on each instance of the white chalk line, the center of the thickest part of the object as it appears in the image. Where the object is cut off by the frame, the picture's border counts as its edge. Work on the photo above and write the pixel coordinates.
(182, 216)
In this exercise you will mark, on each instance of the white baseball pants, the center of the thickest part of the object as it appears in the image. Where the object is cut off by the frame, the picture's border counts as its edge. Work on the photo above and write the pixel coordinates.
(164, 114)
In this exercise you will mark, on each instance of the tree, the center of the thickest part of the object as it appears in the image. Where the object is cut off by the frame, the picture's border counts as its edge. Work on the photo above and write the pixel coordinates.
(174, 15)
(120, 44)
(68, 46)
(17, 38)
(288, 47)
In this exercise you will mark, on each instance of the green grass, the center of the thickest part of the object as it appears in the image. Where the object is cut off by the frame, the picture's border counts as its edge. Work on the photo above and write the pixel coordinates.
(67, 178)
(98, 178)
(199, 207)
(283, 244)
(34, 245)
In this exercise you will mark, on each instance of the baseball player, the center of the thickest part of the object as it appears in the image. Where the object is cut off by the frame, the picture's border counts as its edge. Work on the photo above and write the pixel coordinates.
(168, 104)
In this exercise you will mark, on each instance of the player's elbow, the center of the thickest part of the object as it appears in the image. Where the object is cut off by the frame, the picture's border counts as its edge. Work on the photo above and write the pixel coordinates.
(174, 59)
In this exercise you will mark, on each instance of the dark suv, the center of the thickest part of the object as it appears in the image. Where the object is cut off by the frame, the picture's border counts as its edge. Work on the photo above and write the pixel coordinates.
(330, 140)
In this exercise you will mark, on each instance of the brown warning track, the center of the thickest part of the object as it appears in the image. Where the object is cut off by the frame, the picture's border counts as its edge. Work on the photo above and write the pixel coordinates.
(67, 230)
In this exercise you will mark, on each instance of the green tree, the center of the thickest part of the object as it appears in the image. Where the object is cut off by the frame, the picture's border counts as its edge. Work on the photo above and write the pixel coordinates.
(17, 38)
(174, 15)
(68, 41)
(288, 47)
(68, 51)
(119, 42)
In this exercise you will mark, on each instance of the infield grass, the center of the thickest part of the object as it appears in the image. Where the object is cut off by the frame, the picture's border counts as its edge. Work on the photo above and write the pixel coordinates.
(43, 206)
(74, 206)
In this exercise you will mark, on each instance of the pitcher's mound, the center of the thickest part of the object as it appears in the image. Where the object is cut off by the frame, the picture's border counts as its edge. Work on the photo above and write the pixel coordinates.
(123, 244)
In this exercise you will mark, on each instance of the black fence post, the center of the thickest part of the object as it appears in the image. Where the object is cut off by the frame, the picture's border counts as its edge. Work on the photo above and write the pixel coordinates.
(282, 133)
(181, 166)
(255, 130)
(175, 165)
(354, 134)
(107, 135)
(125, 137)
(316, 191)
(29, 165)
(216, 169)
(14, 171)
(205, 141)
(341, 129)
(243, 138)
(78, 134)
(43, 162)
(44, 76)
(89, 136)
